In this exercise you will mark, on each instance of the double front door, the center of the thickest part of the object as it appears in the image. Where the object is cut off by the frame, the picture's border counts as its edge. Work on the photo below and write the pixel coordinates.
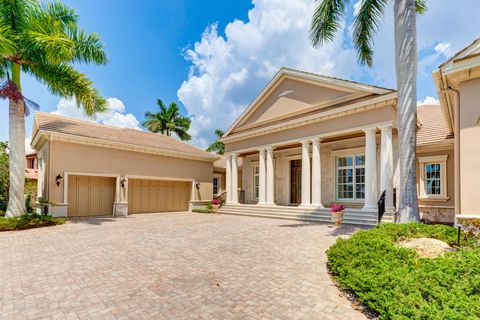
(295, 181)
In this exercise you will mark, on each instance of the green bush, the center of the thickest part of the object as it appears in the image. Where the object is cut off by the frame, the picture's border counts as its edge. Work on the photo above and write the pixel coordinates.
(202, 210)
(27, 221)
(398, 284)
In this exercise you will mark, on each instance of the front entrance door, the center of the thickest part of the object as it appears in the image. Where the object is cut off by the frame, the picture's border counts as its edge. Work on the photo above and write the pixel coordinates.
(296, 181)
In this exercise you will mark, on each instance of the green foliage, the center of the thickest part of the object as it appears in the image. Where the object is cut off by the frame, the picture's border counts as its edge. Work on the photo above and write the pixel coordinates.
(4, 176)
(28, 203)
(398, 284)
(217, 146)
(27, 221)
(202, 210)
(168, 121)
(209, 205)
(44, 40)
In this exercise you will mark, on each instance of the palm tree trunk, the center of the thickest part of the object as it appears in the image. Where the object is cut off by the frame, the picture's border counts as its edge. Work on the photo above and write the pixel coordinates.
(406, 67)
(17, 162)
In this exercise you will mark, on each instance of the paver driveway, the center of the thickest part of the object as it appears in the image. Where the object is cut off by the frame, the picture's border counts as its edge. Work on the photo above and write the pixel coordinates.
(172, 266)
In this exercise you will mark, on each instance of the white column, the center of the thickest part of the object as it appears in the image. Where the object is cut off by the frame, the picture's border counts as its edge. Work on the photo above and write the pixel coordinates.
(370, 170)
(228, 173)
(270, 177)
(262, 179)
(316, 174)
(386, 164)
(306, 173)
(234, 178)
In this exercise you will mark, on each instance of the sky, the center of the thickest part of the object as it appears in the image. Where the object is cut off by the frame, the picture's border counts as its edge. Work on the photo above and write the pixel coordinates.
(213, 57)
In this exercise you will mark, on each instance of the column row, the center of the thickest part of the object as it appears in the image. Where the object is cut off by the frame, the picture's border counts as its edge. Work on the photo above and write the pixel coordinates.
(266, 173)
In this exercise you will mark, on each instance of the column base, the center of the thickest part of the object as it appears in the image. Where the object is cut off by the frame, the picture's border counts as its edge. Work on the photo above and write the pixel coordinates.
(370, 208)
(271, 204)
(120, 209)
(317, 205)
(308, 205)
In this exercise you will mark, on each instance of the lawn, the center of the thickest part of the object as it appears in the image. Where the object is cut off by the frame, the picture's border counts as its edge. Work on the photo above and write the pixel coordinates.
(397, 284)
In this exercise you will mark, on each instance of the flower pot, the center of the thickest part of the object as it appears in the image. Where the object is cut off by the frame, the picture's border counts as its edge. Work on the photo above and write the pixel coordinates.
(337, 217)
(215, 207)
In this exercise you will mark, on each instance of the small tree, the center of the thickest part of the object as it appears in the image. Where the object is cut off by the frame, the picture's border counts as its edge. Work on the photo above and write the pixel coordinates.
(217, 146)
(4, 176)
(168, 121)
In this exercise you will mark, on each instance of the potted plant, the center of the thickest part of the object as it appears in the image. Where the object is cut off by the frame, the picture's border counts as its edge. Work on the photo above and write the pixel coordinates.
(215, 205)
(337, 211)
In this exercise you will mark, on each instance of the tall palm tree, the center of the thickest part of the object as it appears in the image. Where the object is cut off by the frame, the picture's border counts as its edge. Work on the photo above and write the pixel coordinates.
(217, 146)
(327, 20)
(168, 121)
(42, 40)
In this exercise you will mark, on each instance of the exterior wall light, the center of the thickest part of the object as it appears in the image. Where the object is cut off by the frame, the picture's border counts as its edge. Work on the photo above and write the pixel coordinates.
(197, 185)
(58, 180)
(122, 182)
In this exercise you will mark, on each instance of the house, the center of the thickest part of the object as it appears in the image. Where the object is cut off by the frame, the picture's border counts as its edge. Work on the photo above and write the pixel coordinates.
(219, 178)
(308, 141)
(87, 169)
(458, 85)
(31, 175)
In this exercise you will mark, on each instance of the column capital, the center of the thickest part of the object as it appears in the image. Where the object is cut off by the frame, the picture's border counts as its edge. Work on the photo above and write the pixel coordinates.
(269, 147)
(305, 141)
(369, 130)
(386, 127)
(316, 140)
(261, 149)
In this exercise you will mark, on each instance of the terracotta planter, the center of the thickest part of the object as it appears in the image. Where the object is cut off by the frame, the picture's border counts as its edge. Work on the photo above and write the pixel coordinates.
(215, 207)
(337, 217)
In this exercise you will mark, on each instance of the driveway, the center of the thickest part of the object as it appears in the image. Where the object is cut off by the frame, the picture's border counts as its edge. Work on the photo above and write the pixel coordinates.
(171, 266)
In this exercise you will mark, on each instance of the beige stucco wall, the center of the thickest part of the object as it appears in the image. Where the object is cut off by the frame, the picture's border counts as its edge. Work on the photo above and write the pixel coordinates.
(71, 157)
(439, 210)
(282, 170)
(469, 147)
(347, 122)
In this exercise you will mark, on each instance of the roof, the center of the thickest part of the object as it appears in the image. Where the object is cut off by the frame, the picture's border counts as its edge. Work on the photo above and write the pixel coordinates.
(433, 127)
(47, 122)
(469, 50)
(221, 164)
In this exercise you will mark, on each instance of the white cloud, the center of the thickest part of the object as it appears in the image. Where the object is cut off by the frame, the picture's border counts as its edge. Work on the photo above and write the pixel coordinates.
(115, 116)
(227, 72)
(444, 49)
(28, 148)
(428, 101)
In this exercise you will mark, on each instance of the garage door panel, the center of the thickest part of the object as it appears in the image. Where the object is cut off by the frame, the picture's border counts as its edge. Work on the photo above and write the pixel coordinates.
(90, 196)
(148, 196)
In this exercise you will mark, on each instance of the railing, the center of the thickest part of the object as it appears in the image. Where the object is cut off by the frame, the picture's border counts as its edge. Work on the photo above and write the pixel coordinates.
(381, 206)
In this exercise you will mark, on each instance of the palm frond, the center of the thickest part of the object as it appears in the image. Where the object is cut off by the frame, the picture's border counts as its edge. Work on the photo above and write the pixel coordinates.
(57, 11)
(88, 48)
(219, 133)
(326, 20)
(65, 81)
(5, 67)
(7, 45)
(421, 6)
(14, 13)
(365, 26)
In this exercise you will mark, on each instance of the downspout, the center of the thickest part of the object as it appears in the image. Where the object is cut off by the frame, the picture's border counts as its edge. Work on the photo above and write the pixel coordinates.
(456, 134)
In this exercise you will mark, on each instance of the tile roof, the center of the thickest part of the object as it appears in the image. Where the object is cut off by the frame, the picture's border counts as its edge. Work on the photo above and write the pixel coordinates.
(64, 125)
(433, 127)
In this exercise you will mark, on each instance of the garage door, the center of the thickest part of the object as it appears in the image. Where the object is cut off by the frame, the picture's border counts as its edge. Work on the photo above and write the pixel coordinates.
(148, 196)
(90, 196)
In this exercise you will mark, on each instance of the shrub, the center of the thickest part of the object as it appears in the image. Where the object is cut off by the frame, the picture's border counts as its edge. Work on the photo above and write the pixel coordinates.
(27, 221)
(397, 284)
(209, 205)
(28, 203)
(202, 210)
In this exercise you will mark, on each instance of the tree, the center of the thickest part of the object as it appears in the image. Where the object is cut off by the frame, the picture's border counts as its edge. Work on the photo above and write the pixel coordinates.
(217, 146)
(42, 40)
(4, 176)
(168, 121)
(327, 20)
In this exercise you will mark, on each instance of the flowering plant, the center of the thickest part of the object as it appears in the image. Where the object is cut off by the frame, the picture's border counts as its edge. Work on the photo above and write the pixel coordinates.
(216, 202)
(337, 208)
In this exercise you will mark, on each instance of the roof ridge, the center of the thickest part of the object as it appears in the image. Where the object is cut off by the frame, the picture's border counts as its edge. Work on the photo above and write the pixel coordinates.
(80, 120)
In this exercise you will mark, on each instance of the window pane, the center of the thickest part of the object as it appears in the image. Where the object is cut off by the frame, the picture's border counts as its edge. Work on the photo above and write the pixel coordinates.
(360, 160)
(433, 178)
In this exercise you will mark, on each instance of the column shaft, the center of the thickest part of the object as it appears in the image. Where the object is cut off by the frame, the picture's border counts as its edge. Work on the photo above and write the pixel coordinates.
(234, 178)
(370, 170)
(228, 172)
(386, 159)
(316, 174)
(262, 177)
(270, 177)
(306, 173)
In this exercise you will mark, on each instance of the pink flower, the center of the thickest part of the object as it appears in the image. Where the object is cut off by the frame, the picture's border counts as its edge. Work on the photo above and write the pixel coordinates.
(216, 202)
(337, 207)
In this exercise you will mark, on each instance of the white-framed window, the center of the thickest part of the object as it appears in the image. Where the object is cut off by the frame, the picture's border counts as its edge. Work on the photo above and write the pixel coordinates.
(433, 177)
(256, 181)
(350, 177)
(216, 185)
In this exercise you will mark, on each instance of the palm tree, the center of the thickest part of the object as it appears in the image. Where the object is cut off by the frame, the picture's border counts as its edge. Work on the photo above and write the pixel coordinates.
(42, 40)
(327, 20)
(168, 121)
(217, 146)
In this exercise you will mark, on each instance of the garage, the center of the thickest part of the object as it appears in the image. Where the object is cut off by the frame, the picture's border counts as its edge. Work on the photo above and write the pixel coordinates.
(90, 196)
(149, 196)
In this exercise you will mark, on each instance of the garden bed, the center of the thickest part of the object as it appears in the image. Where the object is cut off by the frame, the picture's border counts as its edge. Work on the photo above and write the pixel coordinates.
(397, 283)
(28, 221)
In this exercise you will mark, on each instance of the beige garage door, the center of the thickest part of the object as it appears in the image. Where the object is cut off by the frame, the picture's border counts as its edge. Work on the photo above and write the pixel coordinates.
(90, 196)
(149, 196)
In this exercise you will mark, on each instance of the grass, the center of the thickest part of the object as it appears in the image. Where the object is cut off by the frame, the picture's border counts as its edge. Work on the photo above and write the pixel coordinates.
(397, 284)
(28, 221)
(202, 210)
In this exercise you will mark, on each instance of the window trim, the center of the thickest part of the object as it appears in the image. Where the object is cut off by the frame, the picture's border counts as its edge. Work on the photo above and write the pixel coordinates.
(254, 167)
(353, 153)
(423, 161)
(219, 184)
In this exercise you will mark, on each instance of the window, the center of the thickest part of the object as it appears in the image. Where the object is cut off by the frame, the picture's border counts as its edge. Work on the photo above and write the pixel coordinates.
(351, 177)
(433, 177)
(216, 188)
(256, 182)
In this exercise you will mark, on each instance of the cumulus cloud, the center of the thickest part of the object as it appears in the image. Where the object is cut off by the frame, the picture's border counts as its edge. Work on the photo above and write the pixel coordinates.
(428, 101)
(28, 148)
(115, 116)
(227, 72)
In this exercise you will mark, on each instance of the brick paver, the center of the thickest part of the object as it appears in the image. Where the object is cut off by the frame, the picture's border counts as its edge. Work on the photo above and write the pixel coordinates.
(171, 266)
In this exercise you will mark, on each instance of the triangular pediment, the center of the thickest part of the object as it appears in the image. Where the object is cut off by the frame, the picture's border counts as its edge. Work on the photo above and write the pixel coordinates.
(292, 93)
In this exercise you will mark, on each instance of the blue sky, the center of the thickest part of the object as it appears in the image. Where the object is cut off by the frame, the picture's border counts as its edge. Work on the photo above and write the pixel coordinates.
(215, 56)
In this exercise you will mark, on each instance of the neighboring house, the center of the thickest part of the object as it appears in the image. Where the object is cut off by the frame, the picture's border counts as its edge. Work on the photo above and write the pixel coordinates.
(344, 135)
(458, 86)
(31, 175)
(88, 169)
(219, 178)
